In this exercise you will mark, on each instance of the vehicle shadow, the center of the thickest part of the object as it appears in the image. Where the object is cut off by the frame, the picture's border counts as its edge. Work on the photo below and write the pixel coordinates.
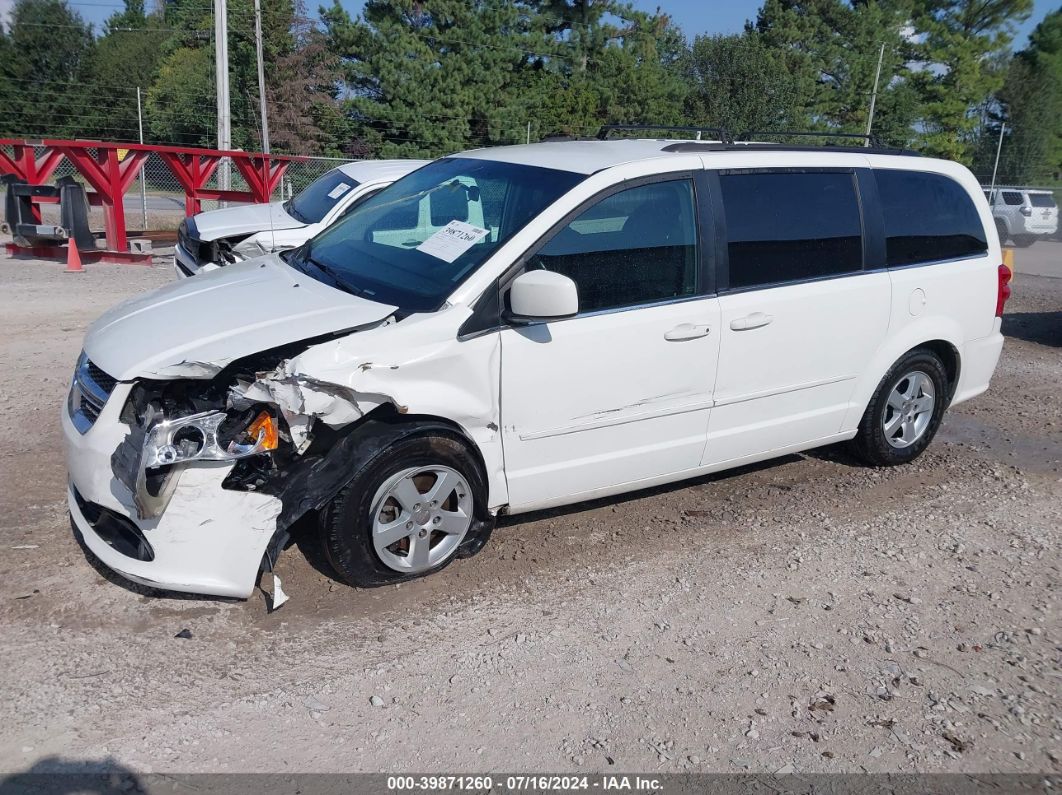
(640, 494)
(308, 541)
(57, 776)
(1044, 328)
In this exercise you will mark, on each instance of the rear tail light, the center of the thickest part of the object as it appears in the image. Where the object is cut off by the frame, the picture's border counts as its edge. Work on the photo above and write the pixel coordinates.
(1026, 211)
(1004, 289)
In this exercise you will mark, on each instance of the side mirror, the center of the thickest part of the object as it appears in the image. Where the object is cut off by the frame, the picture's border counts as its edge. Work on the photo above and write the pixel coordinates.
(542, 296)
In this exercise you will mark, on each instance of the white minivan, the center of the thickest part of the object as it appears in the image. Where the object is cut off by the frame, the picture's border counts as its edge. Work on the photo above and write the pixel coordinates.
(574, 320)
(216, 238)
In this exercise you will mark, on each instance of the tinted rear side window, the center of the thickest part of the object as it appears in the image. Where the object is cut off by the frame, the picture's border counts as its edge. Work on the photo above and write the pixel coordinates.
(928, 217)
(1012, 197)
(786, 227)
(1042, 199)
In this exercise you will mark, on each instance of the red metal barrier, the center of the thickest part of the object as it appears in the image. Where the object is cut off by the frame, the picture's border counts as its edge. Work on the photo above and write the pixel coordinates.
(25, 165)
(109, 176)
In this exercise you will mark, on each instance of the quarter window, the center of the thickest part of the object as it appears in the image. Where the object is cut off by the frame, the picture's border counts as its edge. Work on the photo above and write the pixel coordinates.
(928, 217)
(634, 247)
(787, 227)
(1012, 197)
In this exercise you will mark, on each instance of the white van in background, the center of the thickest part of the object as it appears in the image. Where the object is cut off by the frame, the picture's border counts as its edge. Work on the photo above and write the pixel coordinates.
(213, 239)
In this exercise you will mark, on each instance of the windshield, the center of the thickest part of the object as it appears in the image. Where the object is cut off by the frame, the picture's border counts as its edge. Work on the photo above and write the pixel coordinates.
(411, 244)
(313, 203)
(1042, 199)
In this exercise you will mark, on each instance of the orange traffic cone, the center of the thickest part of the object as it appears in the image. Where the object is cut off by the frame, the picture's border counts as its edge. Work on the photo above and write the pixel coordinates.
(73, 259)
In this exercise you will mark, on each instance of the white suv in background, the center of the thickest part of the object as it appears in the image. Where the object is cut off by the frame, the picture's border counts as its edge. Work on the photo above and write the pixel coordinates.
(574, 320)
(1023, 215)
(210, 240)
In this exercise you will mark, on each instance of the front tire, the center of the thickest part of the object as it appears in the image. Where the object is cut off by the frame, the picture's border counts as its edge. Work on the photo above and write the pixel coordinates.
(905, 412)
(410, 510)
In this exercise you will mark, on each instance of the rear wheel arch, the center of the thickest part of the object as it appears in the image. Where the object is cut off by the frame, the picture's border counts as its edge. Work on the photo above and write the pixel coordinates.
(951, 358)
(904, 412)
(939, 334)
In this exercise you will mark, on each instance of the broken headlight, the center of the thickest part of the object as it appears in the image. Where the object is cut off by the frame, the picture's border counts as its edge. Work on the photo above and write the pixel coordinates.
(238, 248)
(208, 436)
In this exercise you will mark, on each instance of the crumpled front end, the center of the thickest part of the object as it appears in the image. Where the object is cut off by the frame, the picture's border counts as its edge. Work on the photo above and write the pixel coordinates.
(203, 539)
(187, 474)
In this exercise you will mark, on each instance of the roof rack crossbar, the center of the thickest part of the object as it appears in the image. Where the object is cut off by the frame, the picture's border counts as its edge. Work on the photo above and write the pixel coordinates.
(753, 146)
(870, 138)
(720, 132)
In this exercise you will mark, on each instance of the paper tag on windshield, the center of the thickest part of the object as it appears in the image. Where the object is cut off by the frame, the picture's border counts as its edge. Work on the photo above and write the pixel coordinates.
(338, 190)
(452, 240)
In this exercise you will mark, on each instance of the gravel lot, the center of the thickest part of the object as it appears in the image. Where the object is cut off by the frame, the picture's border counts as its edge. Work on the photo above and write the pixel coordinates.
(807, 615)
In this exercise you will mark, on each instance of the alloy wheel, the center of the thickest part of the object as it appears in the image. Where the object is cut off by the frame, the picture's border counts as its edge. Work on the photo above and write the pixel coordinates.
(419, 517)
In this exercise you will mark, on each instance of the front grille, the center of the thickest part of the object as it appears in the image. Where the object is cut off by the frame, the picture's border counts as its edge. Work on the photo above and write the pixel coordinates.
(89, 392)
(90, 409)
(103, 380)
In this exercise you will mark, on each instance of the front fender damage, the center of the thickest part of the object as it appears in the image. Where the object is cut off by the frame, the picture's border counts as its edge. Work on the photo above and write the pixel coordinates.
(302, 399)
(342, 404)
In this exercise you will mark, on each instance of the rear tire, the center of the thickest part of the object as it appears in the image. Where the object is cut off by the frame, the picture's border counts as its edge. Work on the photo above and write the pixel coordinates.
(905, 412)
(1024, 241)
(371, 537)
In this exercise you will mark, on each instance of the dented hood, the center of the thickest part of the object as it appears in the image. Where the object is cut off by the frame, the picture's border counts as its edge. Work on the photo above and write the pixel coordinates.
(194, 327)
(244, 219)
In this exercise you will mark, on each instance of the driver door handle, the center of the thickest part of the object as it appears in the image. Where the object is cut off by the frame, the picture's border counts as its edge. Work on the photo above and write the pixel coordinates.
(755, 320)
(687, 331)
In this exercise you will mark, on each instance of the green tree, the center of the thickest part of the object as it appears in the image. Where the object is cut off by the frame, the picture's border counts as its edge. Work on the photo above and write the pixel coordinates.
(611, 64)
(1030, 102)
(435, 76)
(43, 64)
(180, 105)
(739, 83)
(829, 50)
(301, 76)
(957, 49)
(126, 56)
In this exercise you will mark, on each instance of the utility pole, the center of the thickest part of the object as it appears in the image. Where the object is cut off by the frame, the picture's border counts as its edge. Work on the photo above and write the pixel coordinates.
(143, 187)
(995, 168)
(221, 70)
(261, 74)
(874, 95)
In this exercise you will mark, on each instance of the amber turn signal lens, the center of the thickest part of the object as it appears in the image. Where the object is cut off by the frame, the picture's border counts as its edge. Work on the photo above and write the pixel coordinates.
(264, 422)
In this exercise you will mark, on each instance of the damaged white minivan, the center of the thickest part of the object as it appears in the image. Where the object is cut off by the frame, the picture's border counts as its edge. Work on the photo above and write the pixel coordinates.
(576, 319)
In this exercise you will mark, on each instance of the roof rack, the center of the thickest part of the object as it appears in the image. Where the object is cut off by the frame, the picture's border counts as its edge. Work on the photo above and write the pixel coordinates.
(869, 138)
(715, 146)
(719, 132)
